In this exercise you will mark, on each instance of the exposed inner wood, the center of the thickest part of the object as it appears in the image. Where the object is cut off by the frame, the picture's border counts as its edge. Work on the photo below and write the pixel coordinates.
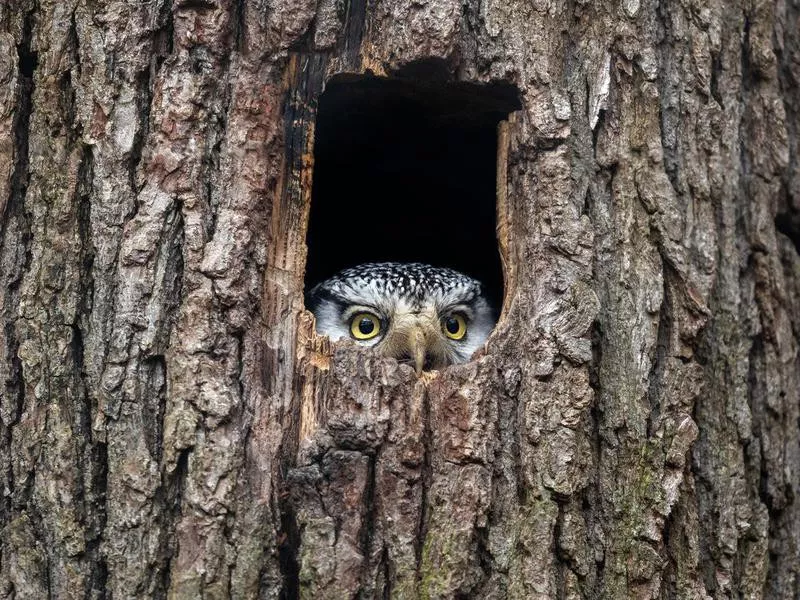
(504, 217)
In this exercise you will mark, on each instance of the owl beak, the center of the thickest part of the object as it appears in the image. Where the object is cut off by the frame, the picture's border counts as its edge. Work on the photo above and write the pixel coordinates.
(418, 348)
(423, 346)
(415, 340)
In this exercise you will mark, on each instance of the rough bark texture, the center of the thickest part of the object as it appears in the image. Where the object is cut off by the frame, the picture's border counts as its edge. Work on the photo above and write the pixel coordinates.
(171, 427)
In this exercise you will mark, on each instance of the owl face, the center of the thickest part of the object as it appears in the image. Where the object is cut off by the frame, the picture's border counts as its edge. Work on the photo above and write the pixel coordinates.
(426, 316)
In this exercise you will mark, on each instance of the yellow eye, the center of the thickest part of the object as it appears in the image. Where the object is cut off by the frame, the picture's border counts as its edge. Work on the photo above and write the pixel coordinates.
(454, 326)
(365, 326)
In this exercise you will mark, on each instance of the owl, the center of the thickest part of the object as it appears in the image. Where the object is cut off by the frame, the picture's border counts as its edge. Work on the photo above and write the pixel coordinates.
(428, 317)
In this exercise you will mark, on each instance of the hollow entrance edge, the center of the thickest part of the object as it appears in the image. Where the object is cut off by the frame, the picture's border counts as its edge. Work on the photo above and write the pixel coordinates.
(407, 171)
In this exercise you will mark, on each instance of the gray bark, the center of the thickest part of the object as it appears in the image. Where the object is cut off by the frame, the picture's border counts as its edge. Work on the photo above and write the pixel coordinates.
(170, 426)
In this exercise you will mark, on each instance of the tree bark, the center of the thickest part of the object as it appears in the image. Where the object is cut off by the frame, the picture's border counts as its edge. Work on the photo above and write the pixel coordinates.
(170, 425)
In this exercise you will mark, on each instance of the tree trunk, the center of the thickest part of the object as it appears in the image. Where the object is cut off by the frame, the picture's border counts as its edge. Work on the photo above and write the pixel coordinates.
(170, 425)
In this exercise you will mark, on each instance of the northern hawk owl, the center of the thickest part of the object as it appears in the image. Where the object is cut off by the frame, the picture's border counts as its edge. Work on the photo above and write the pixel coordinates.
(426, 316)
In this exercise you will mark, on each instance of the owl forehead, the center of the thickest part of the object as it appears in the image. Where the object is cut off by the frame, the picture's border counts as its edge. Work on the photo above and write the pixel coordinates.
(414, 285)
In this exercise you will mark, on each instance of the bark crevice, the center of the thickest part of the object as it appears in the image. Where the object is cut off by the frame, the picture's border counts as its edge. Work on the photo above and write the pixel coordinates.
(15, 251)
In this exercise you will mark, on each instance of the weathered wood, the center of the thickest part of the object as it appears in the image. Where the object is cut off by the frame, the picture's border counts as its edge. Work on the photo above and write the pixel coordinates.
(170, 426)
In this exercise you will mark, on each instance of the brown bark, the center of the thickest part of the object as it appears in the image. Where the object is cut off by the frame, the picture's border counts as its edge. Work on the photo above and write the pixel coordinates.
(170, 426)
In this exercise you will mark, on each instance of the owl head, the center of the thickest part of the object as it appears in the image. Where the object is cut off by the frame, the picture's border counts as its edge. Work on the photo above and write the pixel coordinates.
(426, 316)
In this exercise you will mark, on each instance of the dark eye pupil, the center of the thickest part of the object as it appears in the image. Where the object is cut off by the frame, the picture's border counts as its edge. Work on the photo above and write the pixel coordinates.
(452, 325)
(366, 326)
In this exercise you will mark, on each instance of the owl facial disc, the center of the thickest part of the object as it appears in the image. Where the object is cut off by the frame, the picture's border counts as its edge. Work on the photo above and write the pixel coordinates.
(428, 317)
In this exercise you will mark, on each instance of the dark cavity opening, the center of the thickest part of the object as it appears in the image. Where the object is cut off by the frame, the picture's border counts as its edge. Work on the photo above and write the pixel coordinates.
(406, 171)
